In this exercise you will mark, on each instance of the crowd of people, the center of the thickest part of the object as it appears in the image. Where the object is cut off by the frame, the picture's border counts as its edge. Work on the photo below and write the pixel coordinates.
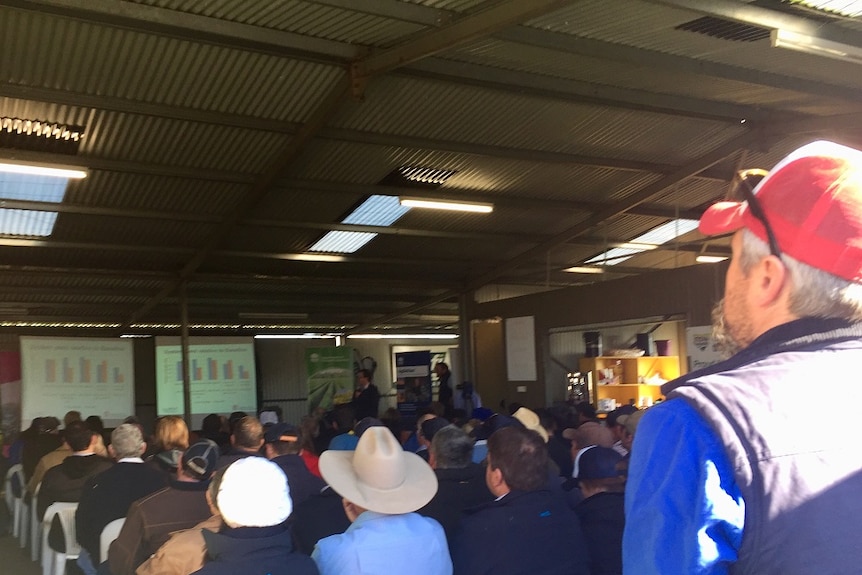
(249, 497)
(726, 475)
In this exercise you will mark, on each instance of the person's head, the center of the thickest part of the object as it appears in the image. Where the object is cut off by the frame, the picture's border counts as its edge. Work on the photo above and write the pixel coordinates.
(95, 423)
(451, 448)
(234, 418)
(171, 433)
(199, 461)
(49, 424)
(630, 425)
(517, 459)
(71, 416)
(429, 429)
(253, 492)
(79, 437)
(247, 434)
(530, 420)
(379, 475)
(363, 377)
(806, 259)
(616, 428)
(282, 439)
(441, 369)
(344, 417)
(586, 412)
(127, 441)
(589, 433)
(598, 470)
(211, 425)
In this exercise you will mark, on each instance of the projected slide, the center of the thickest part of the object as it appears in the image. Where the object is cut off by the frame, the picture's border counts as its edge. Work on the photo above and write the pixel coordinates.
(221, 374)
(93, 376)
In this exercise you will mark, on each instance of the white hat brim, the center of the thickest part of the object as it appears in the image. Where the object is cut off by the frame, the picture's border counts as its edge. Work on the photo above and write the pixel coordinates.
(417, 489)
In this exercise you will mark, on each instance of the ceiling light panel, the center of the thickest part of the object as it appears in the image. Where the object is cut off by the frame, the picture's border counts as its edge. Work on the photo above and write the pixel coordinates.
(342, 242)
(655, 237)
(377, 211)
(850, 8)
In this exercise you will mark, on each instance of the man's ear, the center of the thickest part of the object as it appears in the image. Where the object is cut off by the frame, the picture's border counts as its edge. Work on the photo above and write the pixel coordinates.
(113, 453)
(143, 447)
(771, 280)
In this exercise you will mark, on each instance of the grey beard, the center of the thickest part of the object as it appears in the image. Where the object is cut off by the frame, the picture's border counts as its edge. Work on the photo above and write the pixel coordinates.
(725, 343)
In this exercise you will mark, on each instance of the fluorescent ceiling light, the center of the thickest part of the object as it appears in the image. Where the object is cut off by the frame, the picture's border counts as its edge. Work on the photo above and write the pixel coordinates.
(403, 336)
(295, 336)
(377, 211)
(312, 258)
(851, 8)
(584, 270)
(710, 259)
(816, 46)
(342, 242)
(647, 241)
(49, 170)
(456, 206)
(637, 246)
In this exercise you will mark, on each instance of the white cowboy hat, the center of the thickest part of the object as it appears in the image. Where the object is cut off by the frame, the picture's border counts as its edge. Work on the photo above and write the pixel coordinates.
(380, 476)
(531, 421)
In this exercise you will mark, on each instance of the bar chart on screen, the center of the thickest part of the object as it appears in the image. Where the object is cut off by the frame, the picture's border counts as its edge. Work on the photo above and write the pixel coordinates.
(221, 375)
(93, 375)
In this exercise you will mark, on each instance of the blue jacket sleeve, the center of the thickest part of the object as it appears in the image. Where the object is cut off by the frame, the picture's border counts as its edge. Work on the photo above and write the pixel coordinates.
(684, 511)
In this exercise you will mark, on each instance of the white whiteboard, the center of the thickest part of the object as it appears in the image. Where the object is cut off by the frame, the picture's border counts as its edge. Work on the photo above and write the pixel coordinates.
(521, 348)
(93, 376)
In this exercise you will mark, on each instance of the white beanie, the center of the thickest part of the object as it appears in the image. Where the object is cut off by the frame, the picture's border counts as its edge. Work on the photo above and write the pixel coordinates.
(254, 493)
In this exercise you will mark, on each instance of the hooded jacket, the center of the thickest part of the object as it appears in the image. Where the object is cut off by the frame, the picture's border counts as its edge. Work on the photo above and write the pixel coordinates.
(254, 551)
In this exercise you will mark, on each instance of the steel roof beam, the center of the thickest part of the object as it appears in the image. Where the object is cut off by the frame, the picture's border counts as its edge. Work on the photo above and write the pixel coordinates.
(643, 57)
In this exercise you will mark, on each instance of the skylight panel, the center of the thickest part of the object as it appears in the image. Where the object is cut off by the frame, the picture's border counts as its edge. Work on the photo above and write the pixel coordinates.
(655, 237)
(15, 186)
(342, 242)
(851, 8)
(377, 211)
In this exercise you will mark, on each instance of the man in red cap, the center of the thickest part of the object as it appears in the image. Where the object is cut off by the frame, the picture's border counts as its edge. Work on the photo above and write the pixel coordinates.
(728, 475)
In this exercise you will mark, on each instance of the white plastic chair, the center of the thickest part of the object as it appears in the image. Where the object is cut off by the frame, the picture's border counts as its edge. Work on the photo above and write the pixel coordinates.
(109, 533)
(35, 525)
(12, 502)
(54, 562)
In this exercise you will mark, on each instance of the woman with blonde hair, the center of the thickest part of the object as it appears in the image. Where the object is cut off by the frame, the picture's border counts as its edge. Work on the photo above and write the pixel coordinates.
(171, 439)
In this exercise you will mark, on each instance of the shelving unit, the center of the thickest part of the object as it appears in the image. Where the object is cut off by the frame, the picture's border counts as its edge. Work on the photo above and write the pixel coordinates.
(626, 379)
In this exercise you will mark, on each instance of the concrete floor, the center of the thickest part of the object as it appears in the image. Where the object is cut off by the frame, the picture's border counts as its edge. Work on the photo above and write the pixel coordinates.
(14, 560)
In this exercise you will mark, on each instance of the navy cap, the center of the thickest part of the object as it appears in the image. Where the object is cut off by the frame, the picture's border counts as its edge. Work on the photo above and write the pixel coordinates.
(599, 463)
(281, 432)
(200, 459)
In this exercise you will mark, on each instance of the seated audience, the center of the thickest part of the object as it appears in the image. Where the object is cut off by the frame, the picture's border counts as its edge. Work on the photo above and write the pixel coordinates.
(381, 486)
(461, 483)
(46, 438)
(343, 420)
(526, 529)
(108, 495)
(602, 512)
(282, 447)
(171, 439)
(214, 428)
(152, 519)
(246, 440)
(185, 551)
(65, 482)
(253, 499)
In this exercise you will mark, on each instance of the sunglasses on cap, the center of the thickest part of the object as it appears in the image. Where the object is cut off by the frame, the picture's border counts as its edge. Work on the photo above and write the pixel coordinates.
(746, 182)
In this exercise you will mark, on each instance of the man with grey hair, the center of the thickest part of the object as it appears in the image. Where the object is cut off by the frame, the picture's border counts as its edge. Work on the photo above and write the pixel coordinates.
(461, 483)
(727, 475)
(107, 496)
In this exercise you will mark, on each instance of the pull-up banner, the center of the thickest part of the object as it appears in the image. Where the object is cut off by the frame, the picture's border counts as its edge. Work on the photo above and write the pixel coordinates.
(330, 376)
(413, 370)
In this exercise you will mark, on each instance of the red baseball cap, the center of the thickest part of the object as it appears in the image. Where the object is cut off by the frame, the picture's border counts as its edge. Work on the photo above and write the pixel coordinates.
(813, 202)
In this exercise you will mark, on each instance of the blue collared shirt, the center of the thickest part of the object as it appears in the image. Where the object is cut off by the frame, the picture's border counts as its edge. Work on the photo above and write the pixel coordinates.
(378, 544)
(684, 512)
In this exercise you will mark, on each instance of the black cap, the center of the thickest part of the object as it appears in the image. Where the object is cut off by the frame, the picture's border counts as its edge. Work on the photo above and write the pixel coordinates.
(281, 432)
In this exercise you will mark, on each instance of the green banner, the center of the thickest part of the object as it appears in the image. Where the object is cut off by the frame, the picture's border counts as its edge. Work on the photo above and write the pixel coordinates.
(330, 376)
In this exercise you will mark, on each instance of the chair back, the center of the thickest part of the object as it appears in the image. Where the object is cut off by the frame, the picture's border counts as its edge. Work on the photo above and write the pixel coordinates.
(109, 533)
(51, 558)
(12, 488)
